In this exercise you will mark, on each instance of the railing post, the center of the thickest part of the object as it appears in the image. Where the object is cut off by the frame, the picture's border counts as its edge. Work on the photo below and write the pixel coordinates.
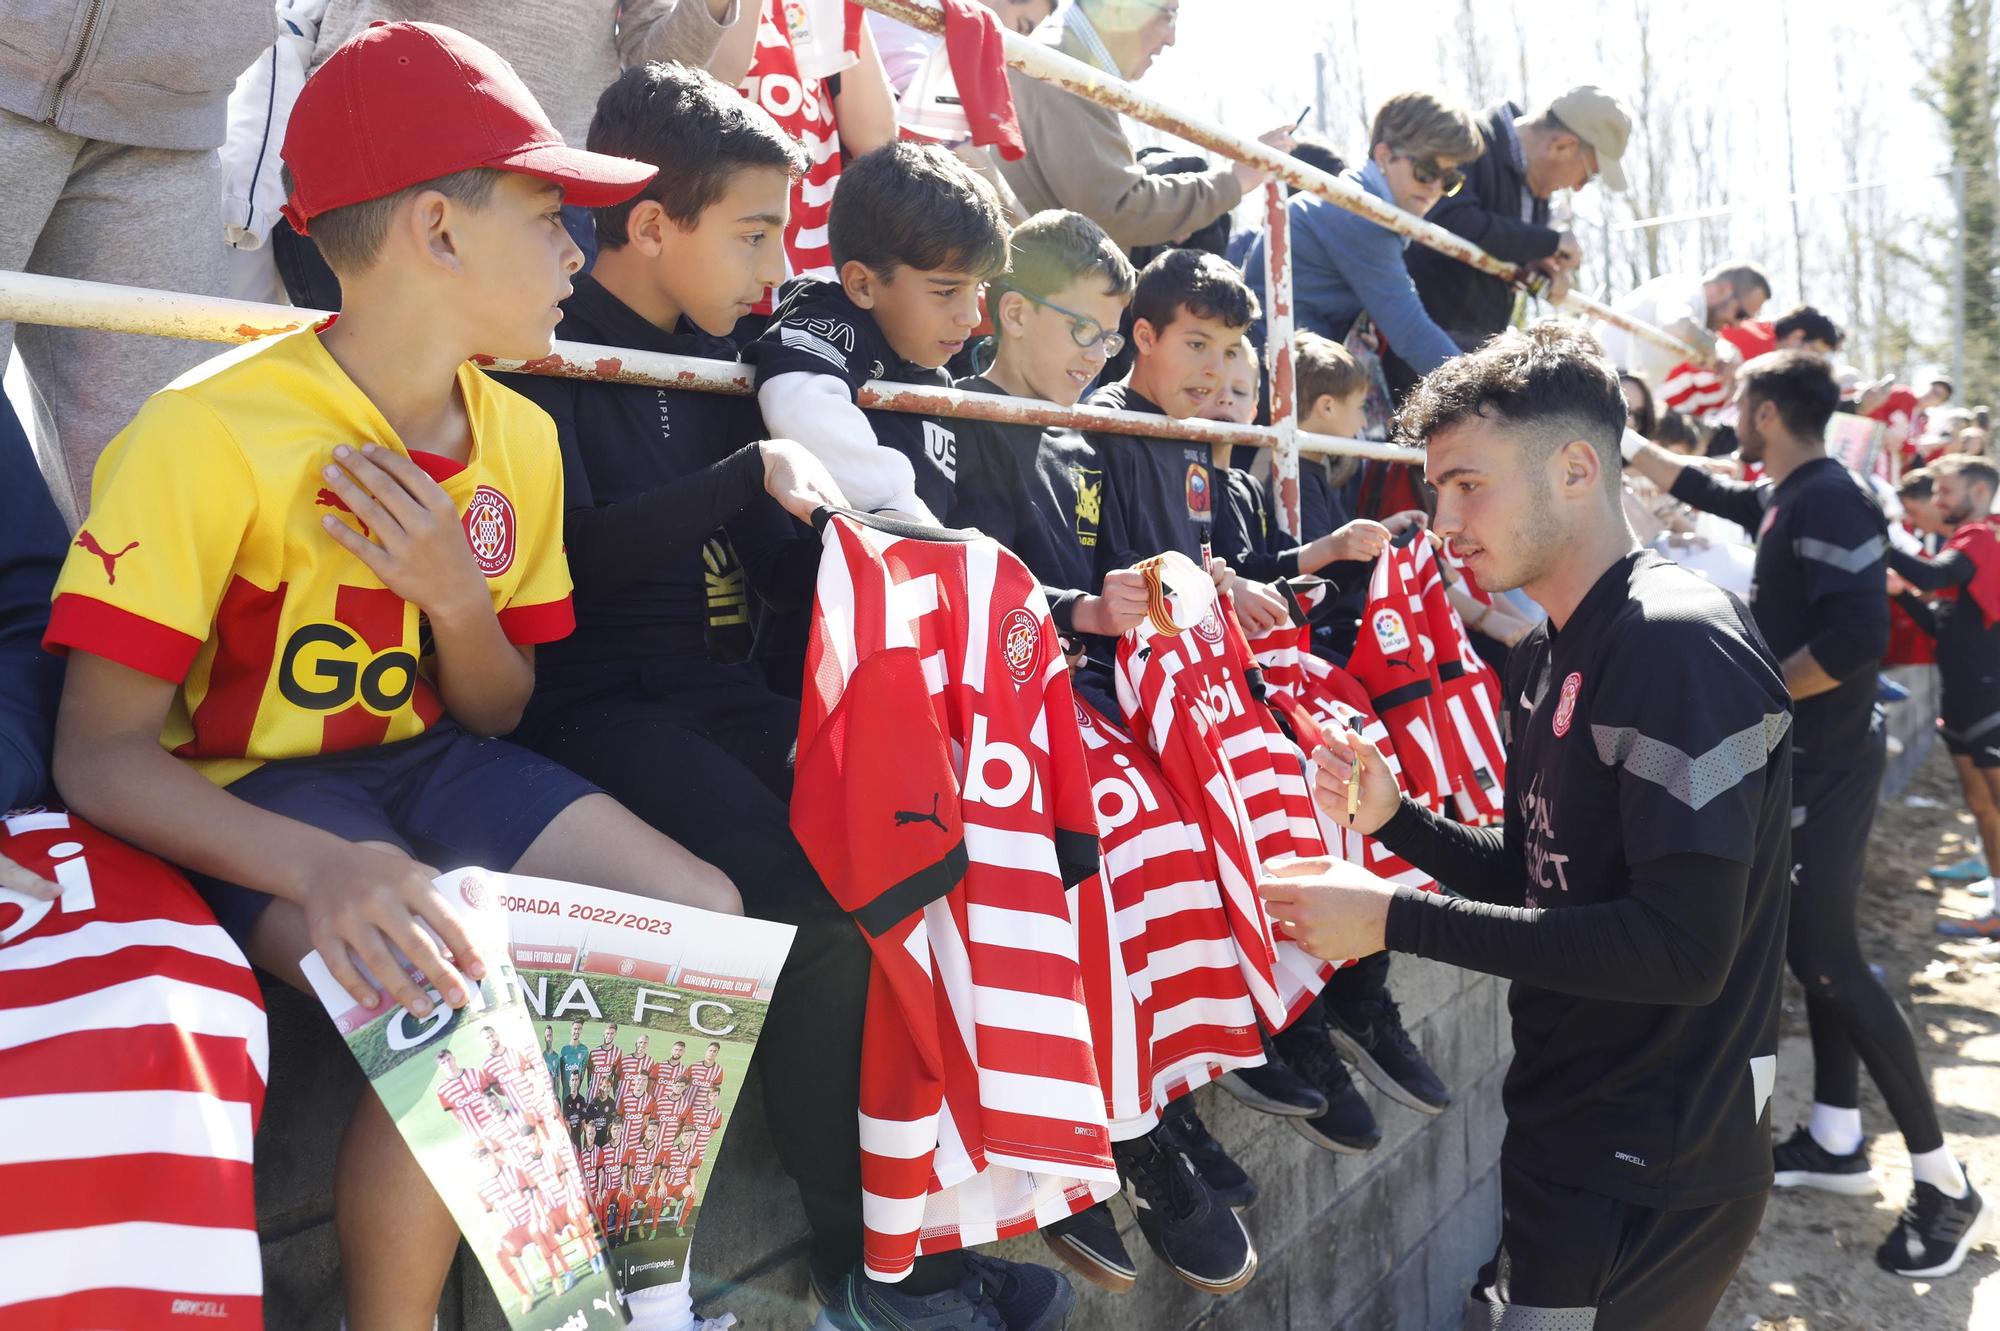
(1278, 355)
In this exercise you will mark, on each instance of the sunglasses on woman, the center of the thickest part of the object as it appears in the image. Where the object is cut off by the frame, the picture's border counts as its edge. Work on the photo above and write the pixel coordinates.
(1428, 172)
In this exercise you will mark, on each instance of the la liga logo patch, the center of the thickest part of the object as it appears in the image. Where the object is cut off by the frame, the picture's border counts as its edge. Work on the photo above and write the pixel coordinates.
(1566, 704)
(489, 529)
(1391, 634)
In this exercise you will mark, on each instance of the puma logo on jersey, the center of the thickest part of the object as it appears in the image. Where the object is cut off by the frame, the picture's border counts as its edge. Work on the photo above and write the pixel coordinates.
(905, 818)
(328, 499)
(85, 541)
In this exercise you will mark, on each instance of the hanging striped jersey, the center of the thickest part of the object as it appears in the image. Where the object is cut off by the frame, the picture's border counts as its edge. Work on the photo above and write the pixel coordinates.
(1390, 662)
(1465, 702)
(943, 796)
(133, 1055)
(1167, 1000)
(1188, 700)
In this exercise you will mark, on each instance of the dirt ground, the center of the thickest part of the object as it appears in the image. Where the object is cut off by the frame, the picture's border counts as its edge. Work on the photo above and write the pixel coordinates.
(1813, 1265)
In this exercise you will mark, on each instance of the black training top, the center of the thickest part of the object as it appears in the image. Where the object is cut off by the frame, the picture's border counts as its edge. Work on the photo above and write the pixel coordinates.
(1159, 493)
(652, 480)
(1636, 895)
(1968, 652)
(1036, 491)
(816, 329)
(1819, 582)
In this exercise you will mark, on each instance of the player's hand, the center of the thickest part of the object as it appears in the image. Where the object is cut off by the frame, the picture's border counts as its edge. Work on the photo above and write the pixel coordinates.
(798, 480)
(1331, 908)
(1359, 540)
(18, 878)
(416, 542)
(1117, 609)
(1259, 608)
(1378, 796)
(363, 905)
(1896, 588)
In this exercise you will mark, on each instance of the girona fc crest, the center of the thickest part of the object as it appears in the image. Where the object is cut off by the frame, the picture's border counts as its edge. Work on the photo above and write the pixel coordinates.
(1210, 628)
(489, 527)
(1566, 704)
(1021, 644)
(474, 892)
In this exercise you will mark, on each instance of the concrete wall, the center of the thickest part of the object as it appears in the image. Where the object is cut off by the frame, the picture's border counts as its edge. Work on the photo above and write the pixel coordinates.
(1348, 1243)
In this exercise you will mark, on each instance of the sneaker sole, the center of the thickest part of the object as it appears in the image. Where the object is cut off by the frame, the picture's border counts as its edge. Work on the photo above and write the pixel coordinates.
(1299, 1126)
(1263, 1104)
(1233, 1283)
(1975, 1235)
(1377, 1076)
(1848, 1185)
(1089, 1265)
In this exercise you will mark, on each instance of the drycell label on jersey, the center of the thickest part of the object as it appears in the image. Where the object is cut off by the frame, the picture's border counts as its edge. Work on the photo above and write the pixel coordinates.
(1021, 644)
(1566, 704)
(490, 527)
(1391, 634)
(326, 667)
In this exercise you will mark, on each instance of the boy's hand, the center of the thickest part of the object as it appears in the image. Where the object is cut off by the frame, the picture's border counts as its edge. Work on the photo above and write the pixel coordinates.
(16, 878)
(1118, 609)
(1377, 796)
(361, 902)
(1258, 608)
(798, 480)
(1358, 540)
(419, 549)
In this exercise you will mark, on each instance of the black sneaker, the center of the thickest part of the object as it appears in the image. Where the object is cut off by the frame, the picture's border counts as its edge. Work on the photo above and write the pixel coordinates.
(1089, 1245)
(861, 1304)
(1370, 1035)
(1274, 1088)
(1189, 1135)
(1348, 1126)
(1934, 1233)
(1801, 1162)
(1198, 1237)
(1029, 1297)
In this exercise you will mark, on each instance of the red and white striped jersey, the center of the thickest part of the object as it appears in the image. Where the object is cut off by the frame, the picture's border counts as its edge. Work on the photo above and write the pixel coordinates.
(465, 1096)
(607, 1060)
(1391, 662)
(513, 1071)
(634, 1107)
(682, 1163)
(506, 1194)
(637, 1069)
(1188, 700)
(133, 1055)
(704, 1078)
(1466, 700)
(1168, 1003)
(1696, 391)
(802, 104)
(943, 796)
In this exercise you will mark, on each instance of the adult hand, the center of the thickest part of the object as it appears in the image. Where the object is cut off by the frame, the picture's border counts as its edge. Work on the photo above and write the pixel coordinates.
(1259, 609)
(1378, 796)
(414, 539)
(1360, 539)
(1896, 584)
(1569, 251)
(798, 480)
(364, 904)
(1331, 908)
(1280, 140)
(18, 878)
(1117, 609)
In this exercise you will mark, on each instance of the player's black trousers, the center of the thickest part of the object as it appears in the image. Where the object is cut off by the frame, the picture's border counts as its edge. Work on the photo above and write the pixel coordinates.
(1573, 1260)
(703, 753)
(1852, 1017)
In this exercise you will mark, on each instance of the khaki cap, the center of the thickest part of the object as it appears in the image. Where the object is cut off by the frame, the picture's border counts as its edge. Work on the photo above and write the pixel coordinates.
(1595, 116)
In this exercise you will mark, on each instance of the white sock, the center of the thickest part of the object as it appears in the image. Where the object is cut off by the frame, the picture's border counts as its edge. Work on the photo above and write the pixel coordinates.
(1940, 1170)
(1837, 1130)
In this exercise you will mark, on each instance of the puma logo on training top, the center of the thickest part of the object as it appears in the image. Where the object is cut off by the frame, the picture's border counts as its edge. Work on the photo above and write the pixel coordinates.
(328, 499)
(906, 818)
(85, 541)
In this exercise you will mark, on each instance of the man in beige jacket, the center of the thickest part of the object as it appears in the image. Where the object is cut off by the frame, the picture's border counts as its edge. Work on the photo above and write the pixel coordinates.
(1078, 157)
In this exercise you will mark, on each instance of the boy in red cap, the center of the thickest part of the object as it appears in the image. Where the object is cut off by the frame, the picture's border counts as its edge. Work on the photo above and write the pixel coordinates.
(315, 572)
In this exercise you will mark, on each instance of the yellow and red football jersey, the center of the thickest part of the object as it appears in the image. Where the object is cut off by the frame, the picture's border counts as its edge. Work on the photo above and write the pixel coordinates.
(203, 561)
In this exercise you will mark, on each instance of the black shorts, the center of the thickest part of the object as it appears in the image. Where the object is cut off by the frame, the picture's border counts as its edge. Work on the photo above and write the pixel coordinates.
(449, 798)
(1971, 729)
(1572, 1260)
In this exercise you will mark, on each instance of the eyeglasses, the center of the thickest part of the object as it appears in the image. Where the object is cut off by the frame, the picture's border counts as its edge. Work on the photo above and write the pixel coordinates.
(1085, 331)
(1428, 172)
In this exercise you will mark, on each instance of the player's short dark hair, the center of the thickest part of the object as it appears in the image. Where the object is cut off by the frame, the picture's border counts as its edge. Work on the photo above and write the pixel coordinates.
(1200, 283)
(1323, 368)
(699, 131)
(1799, 384)
(916, 206)
(1551, 383)
(1056, 248)
(1806, 320)
(350, 238)
(1972, 468)
(1916, 483)
(1743, 278)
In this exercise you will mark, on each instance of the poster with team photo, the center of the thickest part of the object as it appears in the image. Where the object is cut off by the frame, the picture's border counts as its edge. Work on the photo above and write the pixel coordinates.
(645, 1017)
(471, 1095)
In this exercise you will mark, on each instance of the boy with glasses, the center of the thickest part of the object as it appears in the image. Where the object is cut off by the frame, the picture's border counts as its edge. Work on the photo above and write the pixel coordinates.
(1344, 265)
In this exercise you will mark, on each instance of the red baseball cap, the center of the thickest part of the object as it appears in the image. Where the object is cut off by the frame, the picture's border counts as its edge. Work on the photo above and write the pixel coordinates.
(401, 103)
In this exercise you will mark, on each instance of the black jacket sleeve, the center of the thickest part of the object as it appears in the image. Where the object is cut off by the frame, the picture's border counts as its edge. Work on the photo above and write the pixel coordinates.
(33, 541)
(1482, 863)
(1738, 501)
(1502, 235)
(1670, 940)
(1921, 612)
(612, 545)
(1952, 568)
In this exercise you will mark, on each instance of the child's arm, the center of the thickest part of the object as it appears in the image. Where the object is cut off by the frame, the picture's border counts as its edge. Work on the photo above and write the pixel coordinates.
(818, 411)
(418, 549)
(358, 901)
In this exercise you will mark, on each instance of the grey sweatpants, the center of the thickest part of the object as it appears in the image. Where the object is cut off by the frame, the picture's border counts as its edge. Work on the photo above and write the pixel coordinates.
(149, 217)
